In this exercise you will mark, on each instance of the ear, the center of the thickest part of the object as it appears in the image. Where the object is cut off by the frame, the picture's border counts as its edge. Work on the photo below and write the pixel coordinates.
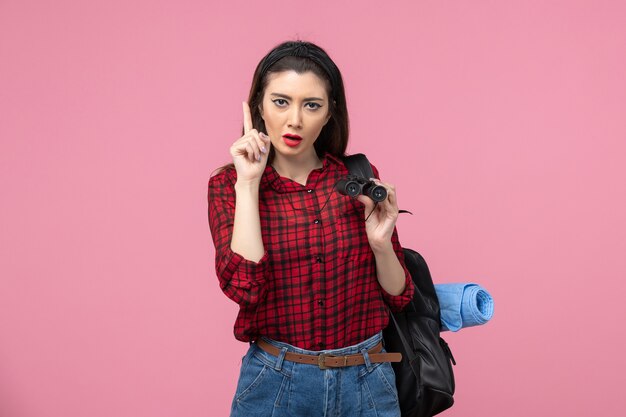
(260, 107)
(329, 115)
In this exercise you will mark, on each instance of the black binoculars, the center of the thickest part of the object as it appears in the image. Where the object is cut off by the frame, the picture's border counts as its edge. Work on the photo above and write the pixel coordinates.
(354, 185)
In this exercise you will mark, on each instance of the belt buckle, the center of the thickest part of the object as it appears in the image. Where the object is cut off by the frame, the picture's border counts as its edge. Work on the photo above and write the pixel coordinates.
(321, 361)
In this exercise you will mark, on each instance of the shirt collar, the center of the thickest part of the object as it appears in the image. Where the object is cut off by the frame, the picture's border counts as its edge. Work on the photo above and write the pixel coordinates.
(272, 178)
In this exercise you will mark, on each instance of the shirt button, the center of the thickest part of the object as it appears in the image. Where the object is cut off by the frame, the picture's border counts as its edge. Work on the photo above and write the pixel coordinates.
(318, 259)
(316, 221)
(320, 303)
(309, 191)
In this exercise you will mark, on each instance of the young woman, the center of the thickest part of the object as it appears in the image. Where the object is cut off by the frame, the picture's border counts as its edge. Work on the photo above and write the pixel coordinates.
(313, 279)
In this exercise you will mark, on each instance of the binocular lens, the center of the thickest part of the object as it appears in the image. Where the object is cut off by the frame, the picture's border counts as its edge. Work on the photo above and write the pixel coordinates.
(353, 188)
(379, 193)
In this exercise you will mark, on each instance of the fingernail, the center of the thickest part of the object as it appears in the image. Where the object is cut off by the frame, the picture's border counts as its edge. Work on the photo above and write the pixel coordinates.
(263, 135)
(263, 149)
(258, 158)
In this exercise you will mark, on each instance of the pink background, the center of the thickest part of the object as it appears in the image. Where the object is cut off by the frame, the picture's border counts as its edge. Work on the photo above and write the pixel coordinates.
(502, 124)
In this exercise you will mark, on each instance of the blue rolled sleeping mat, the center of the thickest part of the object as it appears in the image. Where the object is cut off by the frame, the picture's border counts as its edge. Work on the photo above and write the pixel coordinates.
(463, 305)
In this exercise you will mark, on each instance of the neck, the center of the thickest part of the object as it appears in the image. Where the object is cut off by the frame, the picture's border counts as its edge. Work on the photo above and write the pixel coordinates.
(296, 168)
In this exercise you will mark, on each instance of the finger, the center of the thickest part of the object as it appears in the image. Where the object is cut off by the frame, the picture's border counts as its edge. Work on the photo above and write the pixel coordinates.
(250, 152)
(267, 143)
(390, 203)
(367, 202)
(262, 141)
(254, 143)
(247, 118)
(392, 200)
(389, 187)
(242, 141)
(252, 137)
(239, 147)
(257, 142)
(391, 192)
(392, 197)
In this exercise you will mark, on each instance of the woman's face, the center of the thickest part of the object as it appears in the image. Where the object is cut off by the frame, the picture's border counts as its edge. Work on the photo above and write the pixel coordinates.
(295, 109)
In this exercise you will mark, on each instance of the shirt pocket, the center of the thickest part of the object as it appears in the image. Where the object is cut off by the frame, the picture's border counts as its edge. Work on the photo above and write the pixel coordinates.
(353, 243)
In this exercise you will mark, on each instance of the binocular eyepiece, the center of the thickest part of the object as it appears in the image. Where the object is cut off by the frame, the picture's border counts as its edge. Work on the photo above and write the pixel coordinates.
(354, 185)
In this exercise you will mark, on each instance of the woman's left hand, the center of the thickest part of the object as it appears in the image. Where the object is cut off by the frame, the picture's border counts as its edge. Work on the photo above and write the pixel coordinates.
(380, 224)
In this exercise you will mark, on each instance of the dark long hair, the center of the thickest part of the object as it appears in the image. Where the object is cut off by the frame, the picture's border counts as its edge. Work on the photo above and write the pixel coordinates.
(302, 57)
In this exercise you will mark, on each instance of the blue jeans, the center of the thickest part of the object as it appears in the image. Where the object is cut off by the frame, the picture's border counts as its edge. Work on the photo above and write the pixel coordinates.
(271, 386)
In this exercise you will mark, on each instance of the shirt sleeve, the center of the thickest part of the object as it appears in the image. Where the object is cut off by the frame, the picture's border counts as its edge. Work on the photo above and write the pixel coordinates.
(398, 302)
(242, 280)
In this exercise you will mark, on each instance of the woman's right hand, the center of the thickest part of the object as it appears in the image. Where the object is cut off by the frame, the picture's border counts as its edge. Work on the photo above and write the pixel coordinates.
(250, 151)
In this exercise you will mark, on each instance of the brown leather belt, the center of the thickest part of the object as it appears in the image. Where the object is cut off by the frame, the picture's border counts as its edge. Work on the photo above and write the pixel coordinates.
(325, 361)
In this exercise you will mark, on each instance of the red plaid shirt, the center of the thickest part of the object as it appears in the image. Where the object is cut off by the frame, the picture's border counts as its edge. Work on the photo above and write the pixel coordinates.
(315, 287)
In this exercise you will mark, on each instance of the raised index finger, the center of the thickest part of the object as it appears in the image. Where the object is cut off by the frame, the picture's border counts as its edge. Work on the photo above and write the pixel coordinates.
(247, 118)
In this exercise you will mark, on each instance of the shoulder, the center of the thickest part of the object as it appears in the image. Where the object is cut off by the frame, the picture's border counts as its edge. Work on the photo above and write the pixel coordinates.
(225, 176)
(335, 163)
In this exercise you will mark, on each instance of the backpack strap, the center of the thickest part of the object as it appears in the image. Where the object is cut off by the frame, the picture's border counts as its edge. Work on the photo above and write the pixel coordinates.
(358, 164)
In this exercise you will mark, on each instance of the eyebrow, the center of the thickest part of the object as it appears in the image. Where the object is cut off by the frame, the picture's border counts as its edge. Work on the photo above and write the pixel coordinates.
(289, 98)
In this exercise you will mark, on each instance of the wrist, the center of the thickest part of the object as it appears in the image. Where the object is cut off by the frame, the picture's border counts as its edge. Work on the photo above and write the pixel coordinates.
(247, 186)
(382, 248)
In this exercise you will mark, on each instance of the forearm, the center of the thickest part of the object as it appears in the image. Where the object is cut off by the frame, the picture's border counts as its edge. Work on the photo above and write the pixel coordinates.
(390, 272)
(247, 240)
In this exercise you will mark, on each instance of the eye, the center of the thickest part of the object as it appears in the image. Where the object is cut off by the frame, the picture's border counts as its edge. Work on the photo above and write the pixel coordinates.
(314, 106)
(280, 102)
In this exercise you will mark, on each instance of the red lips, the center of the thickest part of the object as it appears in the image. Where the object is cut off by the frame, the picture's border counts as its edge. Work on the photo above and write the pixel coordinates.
(291, 140)
(291, 136)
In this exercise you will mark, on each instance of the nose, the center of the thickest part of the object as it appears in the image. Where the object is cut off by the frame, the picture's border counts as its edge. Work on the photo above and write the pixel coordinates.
(295, 117)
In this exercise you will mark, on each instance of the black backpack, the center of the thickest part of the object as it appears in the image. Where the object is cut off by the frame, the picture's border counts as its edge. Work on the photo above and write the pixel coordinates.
(424, 378)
